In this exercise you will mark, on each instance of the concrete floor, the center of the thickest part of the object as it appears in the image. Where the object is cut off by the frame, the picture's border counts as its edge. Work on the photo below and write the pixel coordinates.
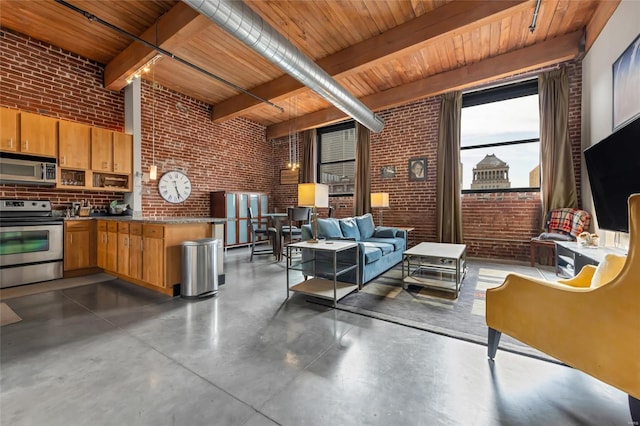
(109, 354)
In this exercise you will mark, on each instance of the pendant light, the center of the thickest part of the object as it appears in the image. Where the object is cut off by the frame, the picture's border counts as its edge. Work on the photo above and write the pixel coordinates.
(293, 139)
(153, 169)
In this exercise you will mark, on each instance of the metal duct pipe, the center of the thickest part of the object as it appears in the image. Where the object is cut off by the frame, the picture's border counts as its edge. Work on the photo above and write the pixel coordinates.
(247, 26)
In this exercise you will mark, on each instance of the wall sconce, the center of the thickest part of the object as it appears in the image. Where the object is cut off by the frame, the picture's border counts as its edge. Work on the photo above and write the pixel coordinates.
(313, 195)
(380, 200)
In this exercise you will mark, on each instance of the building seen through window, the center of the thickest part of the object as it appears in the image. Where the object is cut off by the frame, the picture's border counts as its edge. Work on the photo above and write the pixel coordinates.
(500, 138)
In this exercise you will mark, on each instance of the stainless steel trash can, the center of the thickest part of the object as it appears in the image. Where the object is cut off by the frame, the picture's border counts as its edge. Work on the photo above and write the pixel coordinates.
(199, 268)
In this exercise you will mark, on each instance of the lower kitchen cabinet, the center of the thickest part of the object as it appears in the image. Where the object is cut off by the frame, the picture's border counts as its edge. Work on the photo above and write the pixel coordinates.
(79, 245)
(146, 254)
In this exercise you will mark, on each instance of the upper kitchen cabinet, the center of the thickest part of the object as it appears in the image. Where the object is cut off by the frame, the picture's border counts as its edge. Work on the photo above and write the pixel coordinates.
(75, 145)
(101, 149)
(38, 135)
(122, 152)
(9, 130)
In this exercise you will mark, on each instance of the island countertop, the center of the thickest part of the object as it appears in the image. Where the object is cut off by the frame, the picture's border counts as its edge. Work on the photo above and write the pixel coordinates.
(154, 220)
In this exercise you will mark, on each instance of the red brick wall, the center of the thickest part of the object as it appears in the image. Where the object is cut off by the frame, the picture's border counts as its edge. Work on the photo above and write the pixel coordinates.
(497, 225)
(37, 77)
(233, 156)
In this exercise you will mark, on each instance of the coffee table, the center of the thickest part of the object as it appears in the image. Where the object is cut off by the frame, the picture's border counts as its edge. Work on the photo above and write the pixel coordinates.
(438, 265)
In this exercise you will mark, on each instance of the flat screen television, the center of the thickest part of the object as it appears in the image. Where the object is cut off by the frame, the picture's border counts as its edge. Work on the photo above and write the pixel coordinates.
(613, 165)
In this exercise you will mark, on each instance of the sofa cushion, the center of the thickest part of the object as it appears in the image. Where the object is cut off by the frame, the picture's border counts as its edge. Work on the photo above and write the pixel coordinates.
(397, 243)
(386, 248)
(349, 228)
(365, 225)
(329, 228)
(385, 232)
(371, 252)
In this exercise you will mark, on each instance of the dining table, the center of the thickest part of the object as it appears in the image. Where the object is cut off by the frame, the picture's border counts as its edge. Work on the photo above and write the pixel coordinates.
(276, 221)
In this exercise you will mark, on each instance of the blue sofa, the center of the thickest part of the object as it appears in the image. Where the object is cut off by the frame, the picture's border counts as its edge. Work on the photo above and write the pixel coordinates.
(380, 247)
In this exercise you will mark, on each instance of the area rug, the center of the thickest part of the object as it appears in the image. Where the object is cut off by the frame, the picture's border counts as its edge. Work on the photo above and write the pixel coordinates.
(438, 311)
(61, 284)
(7, 315)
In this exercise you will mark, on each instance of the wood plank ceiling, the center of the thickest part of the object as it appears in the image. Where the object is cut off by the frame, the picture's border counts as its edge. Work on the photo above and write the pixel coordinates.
(386, 53)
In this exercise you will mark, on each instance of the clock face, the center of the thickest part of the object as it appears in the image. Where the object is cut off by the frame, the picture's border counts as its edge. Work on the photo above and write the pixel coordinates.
(174, 186)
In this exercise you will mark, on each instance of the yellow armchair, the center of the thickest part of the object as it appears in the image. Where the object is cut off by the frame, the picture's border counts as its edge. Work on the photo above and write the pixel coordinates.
(593, 329)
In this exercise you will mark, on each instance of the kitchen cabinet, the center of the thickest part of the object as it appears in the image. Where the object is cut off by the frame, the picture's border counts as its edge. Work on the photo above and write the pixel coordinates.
(9, 129)
(107, 245)
(233, 207)
(123, 249)
(135, 251)
(79, 245)
(38, 135)
(122, 153)
(101, 149)
(153, 255)
(74, 145)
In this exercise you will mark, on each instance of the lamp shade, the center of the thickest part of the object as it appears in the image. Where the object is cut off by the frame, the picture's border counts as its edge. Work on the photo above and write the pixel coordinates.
(380, 199)
(313, 195)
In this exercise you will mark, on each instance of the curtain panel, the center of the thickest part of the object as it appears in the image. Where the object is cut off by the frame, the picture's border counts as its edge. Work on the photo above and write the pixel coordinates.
(557, 179)
(449, 203)
(361, 196)
(308, 156)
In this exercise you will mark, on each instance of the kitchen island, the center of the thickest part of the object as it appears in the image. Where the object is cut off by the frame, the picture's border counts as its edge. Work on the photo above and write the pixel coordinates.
(144, 251)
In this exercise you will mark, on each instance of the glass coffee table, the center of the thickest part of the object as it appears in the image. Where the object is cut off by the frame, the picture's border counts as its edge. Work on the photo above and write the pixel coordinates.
(437, 265)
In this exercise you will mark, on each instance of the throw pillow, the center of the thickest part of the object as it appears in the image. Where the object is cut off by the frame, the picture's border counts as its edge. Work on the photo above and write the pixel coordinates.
(365, 225)
(329, 228)
(385, 232)
(349, 228)
(608, 269)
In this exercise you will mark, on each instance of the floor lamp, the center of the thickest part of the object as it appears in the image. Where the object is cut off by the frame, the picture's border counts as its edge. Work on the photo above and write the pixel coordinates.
(313, 195)
(380, 200)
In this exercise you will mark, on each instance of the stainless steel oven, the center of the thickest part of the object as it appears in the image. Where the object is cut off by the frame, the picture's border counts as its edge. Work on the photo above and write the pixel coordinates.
(31, 242)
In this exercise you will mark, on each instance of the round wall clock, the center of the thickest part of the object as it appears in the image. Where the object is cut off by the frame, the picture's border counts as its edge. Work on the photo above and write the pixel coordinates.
(174, 187)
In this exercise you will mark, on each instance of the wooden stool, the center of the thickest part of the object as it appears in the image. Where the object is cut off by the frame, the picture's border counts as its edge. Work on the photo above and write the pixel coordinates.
(549, 246)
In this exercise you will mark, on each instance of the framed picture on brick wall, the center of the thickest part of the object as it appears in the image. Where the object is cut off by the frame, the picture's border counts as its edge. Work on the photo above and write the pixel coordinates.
(626, 85)
(388, 172)
(418, 169)
(289, 177)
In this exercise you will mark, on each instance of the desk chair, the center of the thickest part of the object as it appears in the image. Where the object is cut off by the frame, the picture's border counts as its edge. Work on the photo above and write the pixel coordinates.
(259, 237)
(560, 225)
(292, 232)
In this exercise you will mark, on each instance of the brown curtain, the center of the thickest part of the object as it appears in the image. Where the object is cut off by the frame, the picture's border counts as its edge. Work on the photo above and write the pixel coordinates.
(308, 156)
(361, 196)
(449, 205)
(557, 180)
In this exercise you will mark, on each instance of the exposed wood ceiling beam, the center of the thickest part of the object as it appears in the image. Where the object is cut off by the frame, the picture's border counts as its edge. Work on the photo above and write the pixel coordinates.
(176, 27)
(539, 55)
(603, 12)
(403, 39)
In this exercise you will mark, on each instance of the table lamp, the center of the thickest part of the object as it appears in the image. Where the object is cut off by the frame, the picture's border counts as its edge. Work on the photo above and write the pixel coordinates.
(313, 195)
(380, 200)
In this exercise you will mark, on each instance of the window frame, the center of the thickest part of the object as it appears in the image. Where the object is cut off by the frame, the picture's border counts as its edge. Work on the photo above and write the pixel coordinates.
(496, 94)
(330, 129)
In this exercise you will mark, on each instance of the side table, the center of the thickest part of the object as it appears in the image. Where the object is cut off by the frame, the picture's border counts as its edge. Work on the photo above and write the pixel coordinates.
(324, 288)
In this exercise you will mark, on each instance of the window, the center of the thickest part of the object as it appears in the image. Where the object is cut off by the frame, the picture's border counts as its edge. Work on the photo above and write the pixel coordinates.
(500, 138)
(337, 158)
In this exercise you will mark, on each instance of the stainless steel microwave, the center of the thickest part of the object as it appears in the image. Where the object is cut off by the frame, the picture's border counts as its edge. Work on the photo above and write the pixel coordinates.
(15, 168)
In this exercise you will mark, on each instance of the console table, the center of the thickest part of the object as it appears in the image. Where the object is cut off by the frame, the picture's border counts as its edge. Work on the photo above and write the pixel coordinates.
(570, 257)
